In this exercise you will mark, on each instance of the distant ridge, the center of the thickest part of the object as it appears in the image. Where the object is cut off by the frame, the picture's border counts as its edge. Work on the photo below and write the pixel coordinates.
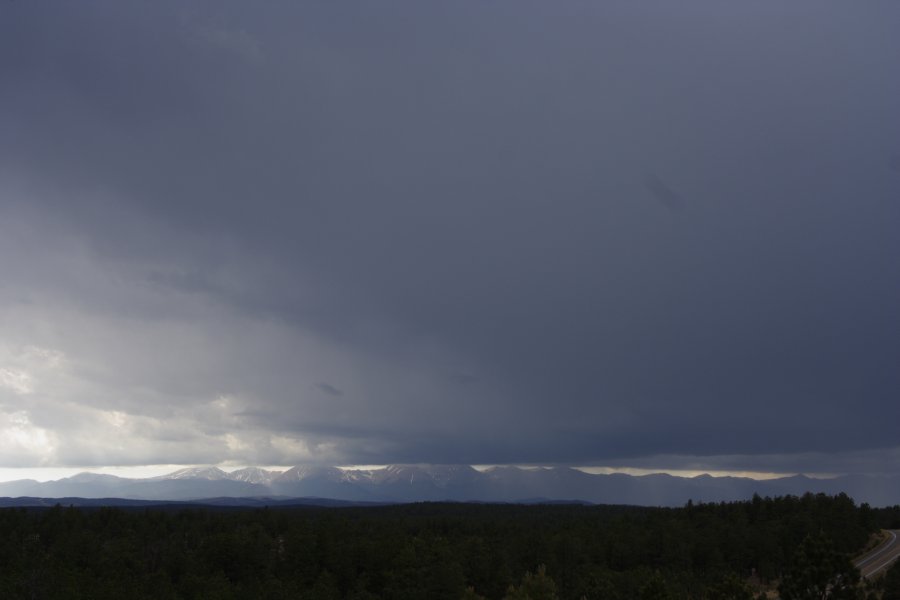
(210, 473)
(224, 502)
(413, 483)
(254, 475)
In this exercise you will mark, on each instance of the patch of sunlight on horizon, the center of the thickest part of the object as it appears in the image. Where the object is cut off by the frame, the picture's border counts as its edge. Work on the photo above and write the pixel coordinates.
(143, 471)
(758, 475)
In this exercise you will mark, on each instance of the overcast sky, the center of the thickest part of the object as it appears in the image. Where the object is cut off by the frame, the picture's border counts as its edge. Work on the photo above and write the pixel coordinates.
(648, 234)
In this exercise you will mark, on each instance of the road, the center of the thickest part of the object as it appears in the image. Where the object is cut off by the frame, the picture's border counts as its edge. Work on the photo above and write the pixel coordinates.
(880, 557)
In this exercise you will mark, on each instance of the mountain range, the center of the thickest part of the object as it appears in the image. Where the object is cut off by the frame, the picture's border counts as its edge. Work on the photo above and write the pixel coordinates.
(414, 483)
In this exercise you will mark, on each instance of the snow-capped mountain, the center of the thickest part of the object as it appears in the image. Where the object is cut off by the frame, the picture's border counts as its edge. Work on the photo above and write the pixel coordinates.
(209, 473)
(254, 475)
(304, 472)
(411, 483)
(441, 476)
(321, 482)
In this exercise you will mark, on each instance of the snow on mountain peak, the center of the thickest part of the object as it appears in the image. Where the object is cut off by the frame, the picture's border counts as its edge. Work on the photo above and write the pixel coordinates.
(209, 473)
(440, 475)
(253, 475)
(301, 472)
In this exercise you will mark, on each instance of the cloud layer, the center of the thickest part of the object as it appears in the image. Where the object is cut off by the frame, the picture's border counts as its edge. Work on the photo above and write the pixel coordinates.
(507, 233)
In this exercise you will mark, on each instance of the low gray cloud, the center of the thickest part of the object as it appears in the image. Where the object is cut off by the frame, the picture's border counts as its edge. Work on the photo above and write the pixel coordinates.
(217, 222)
(329, 389)
(665, 195)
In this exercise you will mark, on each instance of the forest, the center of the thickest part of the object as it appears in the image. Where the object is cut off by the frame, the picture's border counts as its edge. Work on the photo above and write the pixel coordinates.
(734, 550)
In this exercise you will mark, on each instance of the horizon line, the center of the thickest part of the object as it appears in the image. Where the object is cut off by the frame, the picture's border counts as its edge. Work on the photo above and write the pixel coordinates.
(44, 474)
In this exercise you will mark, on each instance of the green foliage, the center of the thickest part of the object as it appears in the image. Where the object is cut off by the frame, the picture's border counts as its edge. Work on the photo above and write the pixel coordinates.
(887, 518)
(656, 588)
(820, 572)
(469, 594)
(892, 583)
(731, 587)
(537, 586)
(451, 551)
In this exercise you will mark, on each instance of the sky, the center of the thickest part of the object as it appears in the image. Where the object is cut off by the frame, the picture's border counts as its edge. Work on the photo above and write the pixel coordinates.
(639, 235)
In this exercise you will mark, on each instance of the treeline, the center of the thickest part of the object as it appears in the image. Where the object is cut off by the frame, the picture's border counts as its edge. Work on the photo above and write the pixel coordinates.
(429, 550)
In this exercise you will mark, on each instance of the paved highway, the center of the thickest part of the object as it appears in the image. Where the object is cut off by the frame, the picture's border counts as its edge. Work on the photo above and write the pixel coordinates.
(881, 557)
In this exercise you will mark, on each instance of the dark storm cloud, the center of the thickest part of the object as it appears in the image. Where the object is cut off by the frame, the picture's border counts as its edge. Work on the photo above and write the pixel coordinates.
(210, 211)
(666, 196)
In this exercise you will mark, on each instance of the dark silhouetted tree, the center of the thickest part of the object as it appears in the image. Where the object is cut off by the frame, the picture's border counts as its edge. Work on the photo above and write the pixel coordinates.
(892, 583)
(819, 572)
(731, 587)
(656, 588)
(535, 586)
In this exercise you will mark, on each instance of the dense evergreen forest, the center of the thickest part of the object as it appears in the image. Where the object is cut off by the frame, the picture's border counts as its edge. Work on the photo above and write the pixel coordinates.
(435, 550)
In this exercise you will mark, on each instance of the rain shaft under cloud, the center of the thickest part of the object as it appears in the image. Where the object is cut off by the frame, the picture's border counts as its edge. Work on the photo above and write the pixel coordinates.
(509, 232)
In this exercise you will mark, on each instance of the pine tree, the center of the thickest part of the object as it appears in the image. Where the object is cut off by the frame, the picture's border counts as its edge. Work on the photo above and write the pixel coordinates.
(820, 573)
(537, 586)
